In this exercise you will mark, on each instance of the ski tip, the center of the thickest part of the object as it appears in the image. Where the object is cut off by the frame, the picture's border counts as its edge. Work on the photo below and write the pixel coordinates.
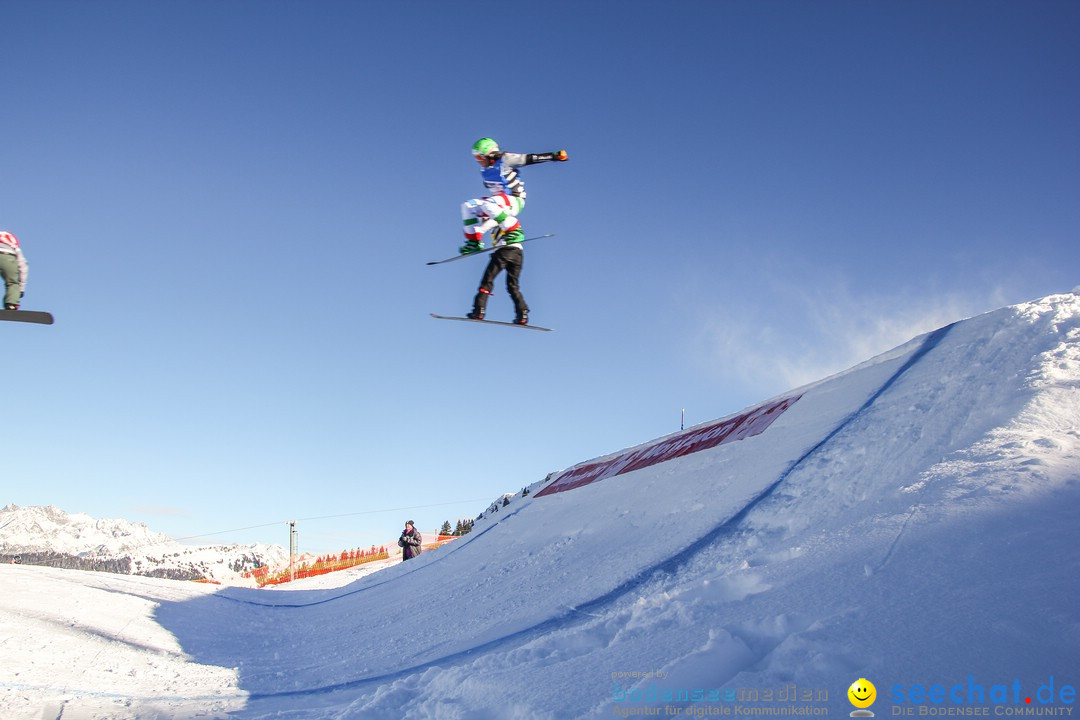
(37, 317)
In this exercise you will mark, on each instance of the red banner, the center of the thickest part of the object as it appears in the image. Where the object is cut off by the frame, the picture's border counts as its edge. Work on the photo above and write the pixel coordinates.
(704, 437)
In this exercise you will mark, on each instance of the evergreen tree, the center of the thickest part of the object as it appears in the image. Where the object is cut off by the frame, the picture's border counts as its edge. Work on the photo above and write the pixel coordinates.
(445, 529)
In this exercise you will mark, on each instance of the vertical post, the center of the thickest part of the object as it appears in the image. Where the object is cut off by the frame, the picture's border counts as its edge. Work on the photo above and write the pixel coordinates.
(292, 550)
(682, 420)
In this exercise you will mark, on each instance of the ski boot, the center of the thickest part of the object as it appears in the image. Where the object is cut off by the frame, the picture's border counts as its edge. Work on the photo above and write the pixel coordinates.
(470, 247)
(479, 304)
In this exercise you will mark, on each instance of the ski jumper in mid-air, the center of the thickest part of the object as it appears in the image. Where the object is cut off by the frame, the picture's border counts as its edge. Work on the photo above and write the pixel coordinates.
(498, 212)
(13, 270)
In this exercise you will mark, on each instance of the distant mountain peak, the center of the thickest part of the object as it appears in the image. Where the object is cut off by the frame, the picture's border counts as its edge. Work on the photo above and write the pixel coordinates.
(48, 535)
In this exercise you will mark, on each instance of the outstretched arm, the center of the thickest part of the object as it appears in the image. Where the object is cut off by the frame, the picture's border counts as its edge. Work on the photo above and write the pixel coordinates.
(519, 159)
(559, 155)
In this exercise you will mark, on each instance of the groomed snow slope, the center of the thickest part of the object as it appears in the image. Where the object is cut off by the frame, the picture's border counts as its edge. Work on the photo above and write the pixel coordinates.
(910, 521)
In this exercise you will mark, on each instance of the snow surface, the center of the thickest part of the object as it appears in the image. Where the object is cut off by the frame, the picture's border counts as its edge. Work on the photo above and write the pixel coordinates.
(911, 521)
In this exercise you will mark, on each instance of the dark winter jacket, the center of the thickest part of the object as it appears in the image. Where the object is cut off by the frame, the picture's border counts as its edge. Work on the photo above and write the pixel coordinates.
(410, 543)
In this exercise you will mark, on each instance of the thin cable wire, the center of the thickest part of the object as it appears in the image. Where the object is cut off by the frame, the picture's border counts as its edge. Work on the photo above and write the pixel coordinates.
(328, 517)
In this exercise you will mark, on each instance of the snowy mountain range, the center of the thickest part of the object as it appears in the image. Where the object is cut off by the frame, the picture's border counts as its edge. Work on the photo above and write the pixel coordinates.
(47, 535)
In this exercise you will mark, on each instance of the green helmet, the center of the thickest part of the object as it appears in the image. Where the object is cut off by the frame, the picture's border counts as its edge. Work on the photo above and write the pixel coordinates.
(485, 146)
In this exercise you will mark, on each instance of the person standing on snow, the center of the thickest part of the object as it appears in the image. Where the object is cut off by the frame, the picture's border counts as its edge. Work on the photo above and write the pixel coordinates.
(409, 542)
(498, 212)
(13, 270)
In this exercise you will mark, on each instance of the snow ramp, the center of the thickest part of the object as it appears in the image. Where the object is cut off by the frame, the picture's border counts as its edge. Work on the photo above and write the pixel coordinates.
(643, 559)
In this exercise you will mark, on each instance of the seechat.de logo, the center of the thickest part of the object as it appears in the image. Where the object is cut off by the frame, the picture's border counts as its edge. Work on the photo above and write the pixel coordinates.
(1000, 695)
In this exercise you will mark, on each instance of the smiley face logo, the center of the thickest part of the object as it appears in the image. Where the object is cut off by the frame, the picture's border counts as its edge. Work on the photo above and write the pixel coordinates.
(862, 693)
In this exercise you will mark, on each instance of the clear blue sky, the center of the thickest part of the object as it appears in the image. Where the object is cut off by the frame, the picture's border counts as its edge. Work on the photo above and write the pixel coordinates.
(228, 207)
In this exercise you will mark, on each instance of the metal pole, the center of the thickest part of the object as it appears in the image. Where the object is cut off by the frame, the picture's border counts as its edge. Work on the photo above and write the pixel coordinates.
(682, 420)
(292, 550)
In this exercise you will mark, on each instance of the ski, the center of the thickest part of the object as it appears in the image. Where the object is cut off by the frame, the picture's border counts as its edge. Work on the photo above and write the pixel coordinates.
(491, 322)
(485, 250)
(28, 316)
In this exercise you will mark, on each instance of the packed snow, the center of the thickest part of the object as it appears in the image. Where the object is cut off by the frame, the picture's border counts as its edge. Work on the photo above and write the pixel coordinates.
(911, 522)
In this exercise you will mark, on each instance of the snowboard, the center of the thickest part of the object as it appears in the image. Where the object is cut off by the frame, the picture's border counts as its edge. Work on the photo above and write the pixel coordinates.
(28, 316)
(486, 250)
(491, 322)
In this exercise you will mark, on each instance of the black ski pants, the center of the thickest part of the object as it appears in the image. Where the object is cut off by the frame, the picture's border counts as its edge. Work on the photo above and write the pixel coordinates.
(510, 258)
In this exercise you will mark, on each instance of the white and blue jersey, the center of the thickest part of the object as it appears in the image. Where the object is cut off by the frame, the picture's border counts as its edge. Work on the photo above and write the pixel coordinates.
(502, 178)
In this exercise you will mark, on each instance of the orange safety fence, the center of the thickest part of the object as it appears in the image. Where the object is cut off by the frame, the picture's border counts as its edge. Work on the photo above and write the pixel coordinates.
(321, 566)
(332, 563)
